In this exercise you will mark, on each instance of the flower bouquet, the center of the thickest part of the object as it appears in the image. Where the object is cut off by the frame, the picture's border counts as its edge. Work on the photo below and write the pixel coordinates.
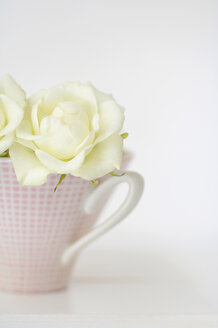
(71, 130)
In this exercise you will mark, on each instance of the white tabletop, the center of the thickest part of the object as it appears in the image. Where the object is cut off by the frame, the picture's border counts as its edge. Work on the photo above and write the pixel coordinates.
(120, 289)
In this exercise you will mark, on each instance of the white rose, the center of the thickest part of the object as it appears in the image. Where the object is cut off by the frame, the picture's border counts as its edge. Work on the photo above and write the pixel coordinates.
(69, 129)
(12, 102)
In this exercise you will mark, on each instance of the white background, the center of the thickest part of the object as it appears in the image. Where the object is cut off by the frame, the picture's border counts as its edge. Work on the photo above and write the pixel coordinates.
(159, 60)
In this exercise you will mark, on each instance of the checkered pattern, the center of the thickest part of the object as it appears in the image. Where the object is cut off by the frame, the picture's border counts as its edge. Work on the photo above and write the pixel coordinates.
(36, 225)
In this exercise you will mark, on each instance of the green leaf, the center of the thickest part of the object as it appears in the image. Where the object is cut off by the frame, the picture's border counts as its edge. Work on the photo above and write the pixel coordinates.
(94, 182)
(60, 180)
(124, 135)
(117, 175)
(4, 154)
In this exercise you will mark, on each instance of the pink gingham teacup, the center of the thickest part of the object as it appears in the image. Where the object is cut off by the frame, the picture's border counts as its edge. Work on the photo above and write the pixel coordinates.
(42, 231)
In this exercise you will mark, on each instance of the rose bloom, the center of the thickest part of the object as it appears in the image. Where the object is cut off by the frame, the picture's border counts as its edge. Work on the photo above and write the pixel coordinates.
(72, 128)
(12, 102)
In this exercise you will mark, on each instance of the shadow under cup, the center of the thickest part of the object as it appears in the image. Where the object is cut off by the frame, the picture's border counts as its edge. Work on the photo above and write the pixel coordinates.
(36, 226)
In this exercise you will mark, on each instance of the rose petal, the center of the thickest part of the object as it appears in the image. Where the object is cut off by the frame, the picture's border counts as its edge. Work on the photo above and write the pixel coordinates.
(2, 118)
(111, 114)
(13, 113)
(104, 158)
(99, 95)
(86, 142)
(9, 87)
(26, 143)
(6, 141)
(34, 117)
(25, 128)
(28, 169)
(37, 97)
(56, 137)
(111, 117)
(59, 166)
(75, 119)
(82, 93)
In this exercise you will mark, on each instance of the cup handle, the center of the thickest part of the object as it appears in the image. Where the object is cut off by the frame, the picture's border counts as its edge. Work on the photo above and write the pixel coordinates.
(91, 205)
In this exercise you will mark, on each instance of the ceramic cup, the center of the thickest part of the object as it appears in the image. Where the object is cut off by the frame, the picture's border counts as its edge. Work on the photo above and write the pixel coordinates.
(42, 231)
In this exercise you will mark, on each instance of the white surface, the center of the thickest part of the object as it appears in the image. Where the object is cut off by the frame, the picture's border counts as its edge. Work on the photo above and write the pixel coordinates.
(118, 289)
(92, 321)
(159, 59)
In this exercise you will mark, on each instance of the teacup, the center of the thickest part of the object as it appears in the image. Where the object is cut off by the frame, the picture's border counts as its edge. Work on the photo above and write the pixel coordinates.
(42, 231)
